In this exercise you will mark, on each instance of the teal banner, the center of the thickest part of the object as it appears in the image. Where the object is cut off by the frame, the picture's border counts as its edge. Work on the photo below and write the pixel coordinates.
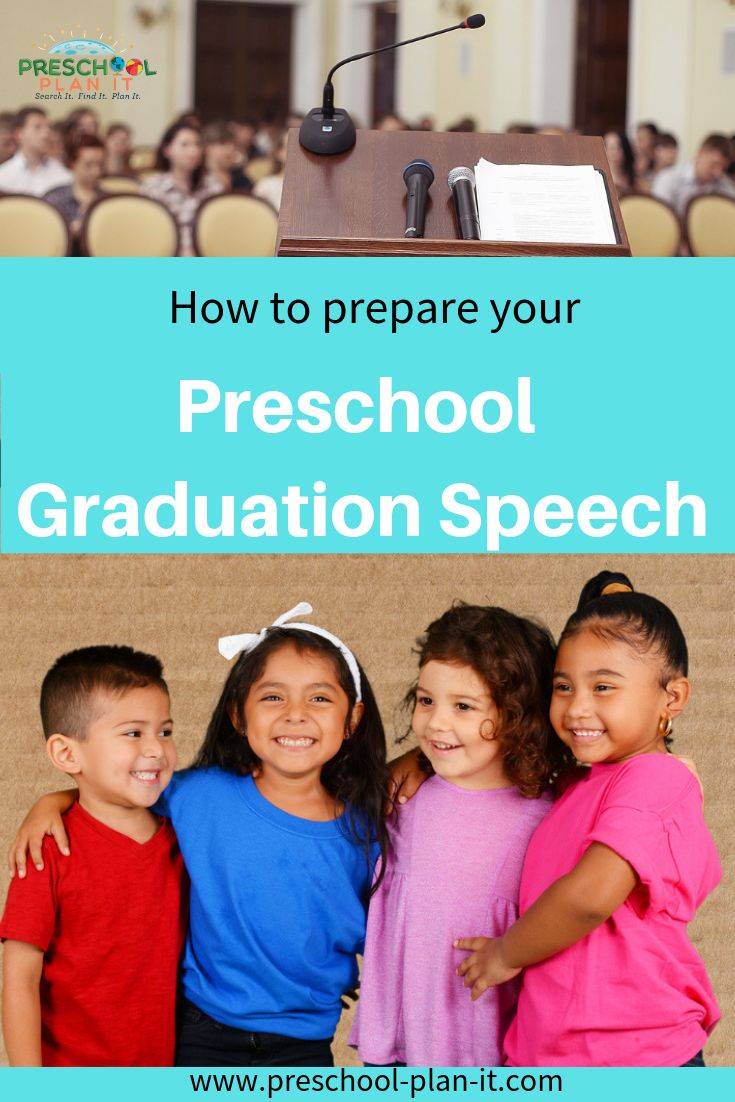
(370, 1085)
(367, 406)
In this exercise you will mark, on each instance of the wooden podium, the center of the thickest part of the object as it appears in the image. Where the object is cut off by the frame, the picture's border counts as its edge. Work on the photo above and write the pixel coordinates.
(354, 204)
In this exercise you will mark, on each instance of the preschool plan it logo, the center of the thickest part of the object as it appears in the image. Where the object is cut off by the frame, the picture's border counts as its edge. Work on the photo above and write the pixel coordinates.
(74, 65)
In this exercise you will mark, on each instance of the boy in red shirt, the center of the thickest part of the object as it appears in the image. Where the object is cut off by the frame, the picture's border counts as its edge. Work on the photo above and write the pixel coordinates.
(92, 940)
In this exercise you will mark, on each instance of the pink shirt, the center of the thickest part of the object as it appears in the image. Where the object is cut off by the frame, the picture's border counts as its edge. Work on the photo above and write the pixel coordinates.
(454, 868)
(634, 992)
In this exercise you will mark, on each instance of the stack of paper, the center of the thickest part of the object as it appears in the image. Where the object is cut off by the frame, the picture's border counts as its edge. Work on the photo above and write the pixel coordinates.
(552, 203)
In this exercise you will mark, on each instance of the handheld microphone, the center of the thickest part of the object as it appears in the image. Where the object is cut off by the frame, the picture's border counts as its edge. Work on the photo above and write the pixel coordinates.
(462, 186)
(328, 129)
(418, 176)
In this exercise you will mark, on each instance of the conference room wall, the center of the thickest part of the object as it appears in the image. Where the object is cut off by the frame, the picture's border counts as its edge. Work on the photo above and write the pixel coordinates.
(519, 67)
(178, 606)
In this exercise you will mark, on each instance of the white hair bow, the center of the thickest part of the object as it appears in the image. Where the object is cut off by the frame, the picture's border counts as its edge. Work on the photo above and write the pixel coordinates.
(230, 645)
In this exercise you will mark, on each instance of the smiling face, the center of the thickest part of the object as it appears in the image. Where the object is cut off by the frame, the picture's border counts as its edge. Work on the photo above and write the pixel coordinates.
(608, 699)
(127, 757)
(455, 721)
(295, 717)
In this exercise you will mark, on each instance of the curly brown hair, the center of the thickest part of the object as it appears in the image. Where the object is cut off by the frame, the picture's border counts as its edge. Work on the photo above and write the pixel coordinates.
(515, 658)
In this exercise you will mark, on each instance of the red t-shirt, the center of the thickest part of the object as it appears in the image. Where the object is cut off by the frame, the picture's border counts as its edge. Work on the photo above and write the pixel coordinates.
(110, 920)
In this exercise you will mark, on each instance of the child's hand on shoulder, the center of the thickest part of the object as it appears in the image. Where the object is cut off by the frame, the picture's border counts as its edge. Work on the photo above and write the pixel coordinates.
(485, 966)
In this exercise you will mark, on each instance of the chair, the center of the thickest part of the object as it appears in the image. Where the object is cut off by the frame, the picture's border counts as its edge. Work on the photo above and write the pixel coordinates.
(235, 225)
(116, 185)
(129, 225)
(32, 227)
(259, 167)
(710, 225)
(653, 227)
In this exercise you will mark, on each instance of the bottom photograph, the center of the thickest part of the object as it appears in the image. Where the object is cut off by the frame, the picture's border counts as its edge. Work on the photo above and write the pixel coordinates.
(422, 811)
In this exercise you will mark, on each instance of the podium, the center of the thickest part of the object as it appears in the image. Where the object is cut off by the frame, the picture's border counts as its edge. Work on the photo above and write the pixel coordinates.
(354, 204)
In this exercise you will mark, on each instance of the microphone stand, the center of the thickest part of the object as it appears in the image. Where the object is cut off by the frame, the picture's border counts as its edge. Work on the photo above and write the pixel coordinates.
(328, 130)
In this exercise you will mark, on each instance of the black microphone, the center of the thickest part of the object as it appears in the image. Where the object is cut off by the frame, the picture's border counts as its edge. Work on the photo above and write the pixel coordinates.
(419, 176)
(462, 186)
(328, 129)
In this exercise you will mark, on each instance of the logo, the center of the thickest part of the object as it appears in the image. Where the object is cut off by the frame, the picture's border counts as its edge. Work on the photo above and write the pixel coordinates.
(73, 65)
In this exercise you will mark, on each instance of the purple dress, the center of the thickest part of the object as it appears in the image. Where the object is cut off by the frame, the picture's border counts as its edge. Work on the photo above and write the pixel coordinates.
(454, 870)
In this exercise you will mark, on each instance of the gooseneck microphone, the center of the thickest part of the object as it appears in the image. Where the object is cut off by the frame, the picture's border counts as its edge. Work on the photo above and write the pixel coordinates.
(328, 129)
(461, 182)
(418, 176)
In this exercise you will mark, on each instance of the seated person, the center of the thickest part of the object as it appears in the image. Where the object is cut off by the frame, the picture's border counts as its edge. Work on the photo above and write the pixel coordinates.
(221, 158)
(31, 171)
(705, 175)
(87, 163)
(181, 185)
(118, 147)
(92, 940)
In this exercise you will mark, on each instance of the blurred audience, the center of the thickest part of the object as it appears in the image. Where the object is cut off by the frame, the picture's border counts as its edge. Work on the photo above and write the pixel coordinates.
(118, 147)
(270, 187)
(194, 162)
(390, 122)
(221, 158)
(665, 152)
(87, 163)
(31, 171)
(646, 134)
(622, 161)
(705, 175)
(7, 136)
(180, 183)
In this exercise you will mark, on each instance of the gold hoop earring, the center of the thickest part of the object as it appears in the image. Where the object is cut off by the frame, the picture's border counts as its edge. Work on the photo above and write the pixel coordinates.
(665, 726)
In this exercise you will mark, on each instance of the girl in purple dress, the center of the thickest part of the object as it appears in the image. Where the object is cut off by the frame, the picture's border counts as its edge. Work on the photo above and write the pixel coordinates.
(480, 715)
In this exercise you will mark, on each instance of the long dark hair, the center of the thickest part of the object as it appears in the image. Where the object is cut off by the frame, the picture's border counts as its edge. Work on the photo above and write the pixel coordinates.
(355, 777)
(163, 164)
(515, 658)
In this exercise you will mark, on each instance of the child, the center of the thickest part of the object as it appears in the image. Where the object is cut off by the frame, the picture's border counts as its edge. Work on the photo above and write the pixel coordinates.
(92, 945)
(280, 822)
(618, 868)
(480, 715)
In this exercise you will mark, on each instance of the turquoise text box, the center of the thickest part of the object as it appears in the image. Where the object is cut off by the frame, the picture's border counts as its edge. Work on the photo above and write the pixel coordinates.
(630, 403)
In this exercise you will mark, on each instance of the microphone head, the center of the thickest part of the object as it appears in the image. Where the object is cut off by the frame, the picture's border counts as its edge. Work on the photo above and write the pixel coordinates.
(474, 21)
(460, 173)
(423, 168)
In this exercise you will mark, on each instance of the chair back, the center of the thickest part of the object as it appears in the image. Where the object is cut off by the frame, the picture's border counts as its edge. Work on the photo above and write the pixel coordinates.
(710, 225)
(235, 225)
(129, 225)
(653, 227)
(32, 227)
(116, 185)
(259, 167)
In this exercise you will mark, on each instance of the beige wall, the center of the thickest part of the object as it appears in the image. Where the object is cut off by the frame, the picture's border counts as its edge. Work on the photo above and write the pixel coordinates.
(516, 68)
(677, 78)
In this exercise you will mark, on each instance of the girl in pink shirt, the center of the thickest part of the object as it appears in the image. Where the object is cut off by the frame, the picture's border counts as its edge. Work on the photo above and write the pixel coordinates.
(619, 866)
(480, 715)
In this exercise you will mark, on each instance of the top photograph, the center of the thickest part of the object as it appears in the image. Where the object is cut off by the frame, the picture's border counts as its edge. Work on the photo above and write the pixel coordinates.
(434, 128)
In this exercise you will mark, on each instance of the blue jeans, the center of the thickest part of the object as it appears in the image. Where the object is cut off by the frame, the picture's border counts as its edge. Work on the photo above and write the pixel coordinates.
(202, 1042)
(695, 1062)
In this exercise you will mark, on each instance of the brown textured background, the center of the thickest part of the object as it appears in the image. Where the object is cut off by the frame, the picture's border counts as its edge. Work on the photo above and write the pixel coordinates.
(177, 607)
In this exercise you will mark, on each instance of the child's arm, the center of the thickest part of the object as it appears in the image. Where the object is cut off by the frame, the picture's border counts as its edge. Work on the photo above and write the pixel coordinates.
(22, 964)
(567, 911)
(43, 818)
(405, 777)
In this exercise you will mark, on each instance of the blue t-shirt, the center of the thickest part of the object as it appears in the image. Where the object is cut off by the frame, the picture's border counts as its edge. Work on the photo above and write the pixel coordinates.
(277, 908)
